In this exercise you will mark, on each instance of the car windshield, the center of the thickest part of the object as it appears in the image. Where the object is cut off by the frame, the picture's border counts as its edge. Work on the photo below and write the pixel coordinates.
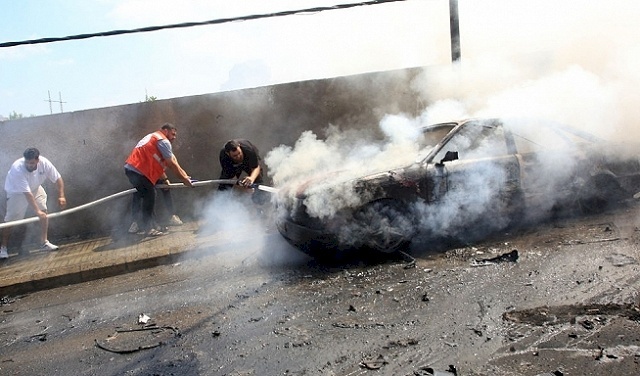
(431, 136)
(475, 139)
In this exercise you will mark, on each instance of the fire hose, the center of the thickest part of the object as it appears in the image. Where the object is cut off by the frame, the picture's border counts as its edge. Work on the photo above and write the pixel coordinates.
(195, 183)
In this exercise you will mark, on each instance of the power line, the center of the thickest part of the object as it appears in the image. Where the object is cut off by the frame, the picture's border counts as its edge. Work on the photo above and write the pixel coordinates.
(192, 24)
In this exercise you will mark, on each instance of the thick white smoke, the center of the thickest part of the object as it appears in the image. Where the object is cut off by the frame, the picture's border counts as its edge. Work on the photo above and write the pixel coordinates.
(232, 215)
(578, 67)
(574, 96)
(315, 164)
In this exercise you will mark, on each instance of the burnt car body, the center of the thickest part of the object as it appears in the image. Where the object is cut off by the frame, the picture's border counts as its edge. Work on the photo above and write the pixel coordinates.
(469, 177)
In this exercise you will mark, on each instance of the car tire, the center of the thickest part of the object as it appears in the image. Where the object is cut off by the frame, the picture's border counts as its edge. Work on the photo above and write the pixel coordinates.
(385, 226)
(599, 193)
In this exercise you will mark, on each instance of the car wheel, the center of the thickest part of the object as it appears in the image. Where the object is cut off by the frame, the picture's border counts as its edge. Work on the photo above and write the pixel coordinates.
(599, 193)
(385, 226)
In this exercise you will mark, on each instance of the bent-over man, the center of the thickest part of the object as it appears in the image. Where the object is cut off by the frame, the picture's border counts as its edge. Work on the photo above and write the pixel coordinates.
(236, 157)
(23, 187)
(146, 164)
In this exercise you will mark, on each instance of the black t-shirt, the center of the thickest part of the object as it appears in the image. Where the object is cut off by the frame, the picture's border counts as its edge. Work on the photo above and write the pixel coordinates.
(232, 170)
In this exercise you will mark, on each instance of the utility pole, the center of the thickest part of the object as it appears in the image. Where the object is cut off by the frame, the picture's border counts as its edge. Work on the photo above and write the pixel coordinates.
(51, 101)
(50, 108)
(61, 102)
(454, 24)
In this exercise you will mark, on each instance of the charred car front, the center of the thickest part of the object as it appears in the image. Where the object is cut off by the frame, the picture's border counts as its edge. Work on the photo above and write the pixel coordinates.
(469, 178)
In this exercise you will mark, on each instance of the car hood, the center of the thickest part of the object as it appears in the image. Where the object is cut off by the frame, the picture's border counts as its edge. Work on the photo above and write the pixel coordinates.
(324, 195)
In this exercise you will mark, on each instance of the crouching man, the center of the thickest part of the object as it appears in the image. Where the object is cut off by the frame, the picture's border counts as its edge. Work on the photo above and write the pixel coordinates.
(23, 187)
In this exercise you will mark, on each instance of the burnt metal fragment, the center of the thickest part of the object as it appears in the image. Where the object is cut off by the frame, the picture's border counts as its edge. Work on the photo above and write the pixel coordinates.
(507, 257)
(373, 364)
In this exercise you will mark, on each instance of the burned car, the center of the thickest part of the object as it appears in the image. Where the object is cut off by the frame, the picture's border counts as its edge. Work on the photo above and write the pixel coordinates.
(468, 178)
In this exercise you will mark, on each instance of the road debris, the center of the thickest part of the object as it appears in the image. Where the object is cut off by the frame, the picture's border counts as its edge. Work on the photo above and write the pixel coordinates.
(410, 260)
(42, 337)
(143, 319)
(618, 259)
(507, 257)
(575, 242)
(375, 363)
(567, 313)
(554, 373)
(427, 371)
(127, 341)
(6, 300)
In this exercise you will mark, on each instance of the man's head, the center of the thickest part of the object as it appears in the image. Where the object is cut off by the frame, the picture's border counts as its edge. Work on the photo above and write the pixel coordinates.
(233, 150)
(170, 131)
(31, 159)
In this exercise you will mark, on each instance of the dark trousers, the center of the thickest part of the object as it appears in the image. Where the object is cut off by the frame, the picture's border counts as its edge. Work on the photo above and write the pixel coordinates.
(168, 200)
(145, 194)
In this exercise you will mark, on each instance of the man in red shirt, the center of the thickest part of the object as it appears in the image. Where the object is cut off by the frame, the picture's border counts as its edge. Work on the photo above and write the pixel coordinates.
(146, 164)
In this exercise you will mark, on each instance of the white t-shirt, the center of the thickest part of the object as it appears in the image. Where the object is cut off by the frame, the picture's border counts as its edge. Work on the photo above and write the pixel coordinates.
(19, 180)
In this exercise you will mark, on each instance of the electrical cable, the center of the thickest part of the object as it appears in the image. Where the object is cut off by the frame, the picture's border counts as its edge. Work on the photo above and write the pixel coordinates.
(192, 24)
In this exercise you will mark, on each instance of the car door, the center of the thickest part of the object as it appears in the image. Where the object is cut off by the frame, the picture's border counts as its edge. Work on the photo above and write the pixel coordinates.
(484, 177)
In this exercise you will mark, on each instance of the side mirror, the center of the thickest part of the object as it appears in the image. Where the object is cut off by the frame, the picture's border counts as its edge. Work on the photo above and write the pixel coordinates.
(449, 156)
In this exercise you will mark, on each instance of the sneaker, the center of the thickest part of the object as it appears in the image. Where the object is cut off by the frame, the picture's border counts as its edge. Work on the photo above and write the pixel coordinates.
(175, 221)
(3, 253)
(154, 232)
(47, 246)
(134, 228)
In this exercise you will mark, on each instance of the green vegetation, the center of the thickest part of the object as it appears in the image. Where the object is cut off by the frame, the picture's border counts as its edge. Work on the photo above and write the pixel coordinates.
(149, 98)
(14, 115)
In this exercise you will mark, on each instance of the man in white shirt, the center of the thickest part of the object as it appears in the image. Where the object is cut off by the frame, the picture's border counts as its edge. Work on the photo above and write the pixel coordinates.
(23, 187)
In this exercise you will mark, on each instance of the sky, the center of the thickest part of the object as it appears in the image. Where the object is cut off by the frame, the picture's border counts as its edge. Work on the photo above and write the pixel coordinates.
(115, 70)
(513, 51)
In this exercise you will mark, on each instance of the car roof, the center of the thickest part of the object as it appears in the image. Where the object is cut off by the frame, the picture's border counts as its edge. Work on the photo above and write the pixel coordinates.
(515, 126)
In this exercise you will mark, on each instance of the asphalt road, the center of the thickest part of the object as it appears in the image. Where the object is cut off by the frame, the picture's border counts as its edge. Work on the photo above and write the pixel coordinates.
(565, 303)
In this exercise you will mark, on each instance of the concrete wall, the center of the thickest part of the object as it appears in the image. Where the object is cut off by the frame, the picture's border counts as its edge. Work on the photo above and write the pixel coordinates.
(89, 147)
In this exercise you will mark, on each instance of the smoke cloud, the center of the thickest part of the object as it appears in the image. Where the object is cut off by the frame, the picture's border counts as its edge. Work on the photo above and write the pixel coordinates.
(228, 213)
(342, 155)
(569, 62)
(247, 231)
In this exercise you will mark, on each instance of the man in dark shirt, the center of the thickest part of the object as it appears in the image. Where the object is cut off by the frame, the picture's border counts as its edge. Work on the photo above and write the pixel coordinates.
(236, 157)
